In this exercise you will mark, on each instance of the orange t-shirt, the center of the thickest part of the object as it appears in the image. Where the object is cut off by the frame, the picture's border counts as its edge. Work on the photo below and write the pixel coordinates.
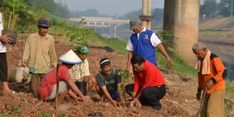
(216, 72)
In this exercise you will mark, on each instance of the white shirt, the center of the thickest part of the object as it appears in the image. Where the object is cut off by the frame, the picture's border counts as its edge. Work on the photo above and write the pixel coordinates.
(78, 71)
(2, 46)
(153, 39)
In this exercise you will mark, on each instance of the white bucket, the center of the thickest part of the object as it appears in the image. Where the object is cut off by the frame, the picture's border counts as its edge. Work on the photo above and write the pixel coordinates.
(22, 73)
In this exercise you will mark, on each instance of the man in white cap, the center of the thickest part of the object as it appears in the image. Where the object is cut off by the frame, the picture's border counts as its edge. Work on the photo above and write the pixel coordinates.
(47, 87)
(143, 42)
(39, 54)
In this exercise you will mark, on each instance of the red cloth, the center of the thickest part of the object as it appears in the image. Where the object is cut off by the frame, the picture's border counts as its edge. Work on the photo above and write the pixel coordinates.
(47, 83)
(149, 77)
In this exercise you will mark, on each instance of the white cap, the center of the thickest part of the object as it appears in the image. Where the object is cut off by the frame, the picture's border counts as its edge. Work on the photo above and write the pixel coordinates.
(70, 58)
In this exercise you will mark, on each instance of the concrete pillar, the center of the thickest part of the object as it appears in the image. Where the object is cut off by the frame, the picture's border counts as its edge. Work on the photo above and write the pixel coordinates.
(115, 31)
(182, 19)
(146, 16)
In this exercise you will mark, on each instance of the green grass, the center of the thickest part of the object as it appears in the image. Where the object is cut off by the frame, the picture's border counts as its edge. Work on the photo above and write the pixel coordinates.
(230, 89)
(117, 44)
(179, 65)
(229, 107)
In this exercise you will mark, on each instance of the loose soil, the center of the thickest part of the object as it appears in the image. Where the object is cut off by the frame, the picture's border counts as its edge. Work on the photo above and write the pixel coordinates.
(179, 100)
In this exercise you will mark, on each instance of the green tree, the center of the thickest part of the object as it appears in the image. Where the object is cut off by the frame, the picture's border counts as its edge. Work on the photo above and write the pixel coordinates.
(209, 9)
(14, 11)
(51, 6)
(226, 7)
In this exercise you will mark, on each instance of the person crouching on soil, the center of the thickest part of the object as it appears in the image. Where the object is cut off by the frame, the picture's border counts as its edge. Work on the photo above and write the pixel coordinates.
(108, 82)
(47, 87)
(80, 72)
(210, 80)
(149, 84)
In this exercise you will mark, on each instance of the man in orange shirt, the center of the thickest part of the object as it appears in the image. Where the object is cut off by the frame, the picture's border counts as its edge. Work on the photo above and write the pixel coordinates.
(210, 80)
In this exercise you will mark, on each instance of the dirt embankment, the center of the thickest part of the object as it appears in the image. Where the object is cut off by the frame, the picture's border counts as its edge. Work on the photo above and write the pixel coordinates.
(179, 100)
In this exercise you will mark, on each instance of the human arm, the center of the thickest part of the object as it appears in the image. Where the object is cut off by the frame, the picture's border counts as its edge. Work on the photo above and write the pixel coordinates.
(156, 42)
(128, 67)
(52, 53)
(26, 53)
(136, 89)
(130, 53)
(164, 53)
(106, 93)
(218, 67)
(76, 90)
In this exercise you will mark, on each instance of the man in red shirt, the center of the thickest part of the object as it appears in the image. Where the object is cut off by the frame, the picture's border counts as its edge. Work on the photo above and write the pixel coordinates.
(149, 84)
(47, 87)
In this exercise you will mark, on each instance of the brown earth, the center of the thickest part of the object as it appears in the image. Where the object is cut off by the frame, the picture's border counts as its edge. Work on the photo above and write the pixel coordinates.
(179, 101)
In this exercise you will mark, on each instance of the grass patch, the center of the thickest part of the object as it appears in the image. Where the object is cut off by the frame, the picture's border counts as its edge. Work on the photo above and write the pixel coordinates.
(117, 44)
(229, 107)
(179, 65)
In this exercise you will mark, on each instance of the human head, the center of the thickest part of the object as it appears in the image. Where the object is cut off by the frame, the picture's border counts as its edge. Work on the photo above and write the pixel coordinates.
(136, 26)
(43, 26)
(137, 63)
(82, 52)
(200, 50)
(105, 65)
(69, 59)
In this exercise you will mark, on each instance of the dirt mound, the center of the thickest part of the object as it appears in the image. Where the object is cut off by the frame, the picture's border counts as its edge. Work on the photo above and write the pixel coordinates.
(179, 100)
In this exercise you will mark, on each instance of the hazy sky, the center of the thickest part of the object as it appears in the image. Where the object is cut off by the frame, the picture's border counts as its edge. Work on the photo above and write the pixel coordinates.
(109, 7)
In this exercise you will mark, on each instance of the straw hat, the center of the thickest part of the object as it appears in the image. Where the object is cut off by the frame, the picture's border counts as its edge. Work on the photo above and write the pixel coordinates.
(70, 58)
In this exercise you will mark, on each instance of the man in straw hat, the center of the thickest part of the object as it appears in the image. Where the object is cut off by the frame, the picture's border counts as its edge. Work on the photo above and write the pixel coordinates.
(210, 80)
(143, 42)
(47, 87)
(39, 54)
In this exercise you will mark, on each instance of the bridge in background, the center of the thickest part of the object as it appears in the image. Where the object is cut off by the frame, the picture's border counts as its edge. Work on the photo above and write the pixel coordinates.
(101, 22)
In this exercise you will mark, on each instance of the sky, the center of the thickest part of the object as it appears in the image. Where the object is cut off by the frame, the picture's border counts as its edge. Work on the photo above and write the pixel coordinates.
(109, 7)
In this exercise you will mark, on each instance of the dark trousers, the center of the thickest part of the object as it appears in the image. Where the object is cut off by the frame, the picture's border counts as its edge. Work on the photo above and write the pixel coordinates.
(35, 82)
(150, 95)
(3, 67)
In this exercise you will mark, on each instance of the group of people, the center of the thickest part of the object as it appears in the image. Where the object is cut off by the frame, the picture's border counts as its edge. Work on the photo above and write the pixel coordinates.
(47, 76)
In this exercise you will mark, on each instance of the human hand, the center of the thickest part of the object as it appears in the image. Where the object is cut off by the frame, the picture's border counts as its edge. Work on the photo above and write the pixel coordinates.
(135, 102)
(114, 103)
(129, 98)
(52, 66)
(5, 38)
(209, 84)
(86, 98)
(170, 61)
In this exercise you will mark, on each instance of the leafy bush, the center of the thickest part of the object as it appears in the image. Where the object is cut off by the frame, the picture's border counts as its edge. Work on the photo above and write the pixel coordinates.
(168, 39)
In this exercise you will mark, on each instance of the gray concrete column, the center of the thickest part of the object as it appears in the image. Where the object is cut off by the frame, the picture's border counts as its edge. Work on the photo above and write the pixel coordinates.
(146, 16)
(182, 19)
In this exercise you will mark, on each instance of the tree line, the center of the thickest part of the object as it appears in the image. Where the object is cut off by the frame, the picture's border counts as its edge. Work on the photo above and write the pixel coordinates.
(212, 9)
(24, 13)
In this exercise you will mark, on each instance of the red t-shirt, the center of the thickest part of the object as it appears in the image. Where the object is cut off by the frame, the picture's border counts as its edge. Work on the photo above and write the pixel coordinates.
(47, 83)
(149, 77)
